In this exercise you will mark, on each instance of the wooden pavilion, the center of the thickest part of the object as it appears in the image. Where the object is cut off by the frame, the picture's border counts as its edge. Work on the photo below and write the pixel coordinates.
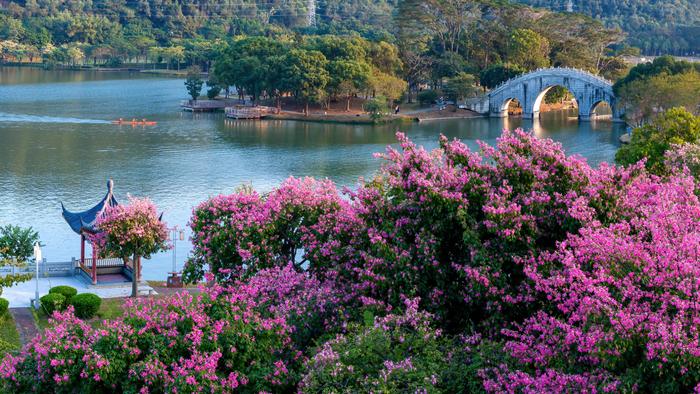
(109, 270)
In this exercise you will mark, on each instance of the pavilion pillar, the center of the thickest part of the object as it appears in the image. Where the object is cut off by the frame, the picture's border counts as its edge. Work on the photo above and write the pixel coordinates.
(82, 250)
(94, 263)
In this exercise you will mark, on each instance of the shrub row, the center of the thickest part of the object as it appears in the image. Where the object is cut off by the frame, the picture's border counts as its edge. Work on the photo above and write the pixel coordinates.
(59, 298)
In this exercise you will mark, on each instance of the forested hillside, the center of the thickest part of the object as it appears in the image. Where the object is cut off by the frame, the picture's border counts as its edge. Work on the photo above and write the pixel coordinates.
(654, 26)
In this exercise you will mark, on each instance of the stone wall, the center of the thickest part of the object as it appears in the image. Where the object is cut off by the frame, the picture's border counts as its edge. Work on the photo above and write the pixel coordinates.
(46, 269)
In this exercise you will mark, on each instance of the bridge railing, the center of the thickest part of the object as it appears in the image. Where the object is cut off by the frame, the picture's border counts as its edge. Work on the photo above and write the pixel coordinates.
(530, 74)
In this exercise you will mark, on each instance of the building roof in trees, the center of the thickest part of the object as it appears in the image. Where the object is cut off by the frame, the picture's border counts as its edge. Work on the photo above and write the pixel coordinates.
(82, 222)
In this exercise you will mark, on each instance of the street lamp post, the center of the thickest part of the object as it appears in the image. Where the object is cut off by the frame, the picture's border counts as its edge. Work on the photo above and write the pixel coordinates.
(37, 259)
(176, 234)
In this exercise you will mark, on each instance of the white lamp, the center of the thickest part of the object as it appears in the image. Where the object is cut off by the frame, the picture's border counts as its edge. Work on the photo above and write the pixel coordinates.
(37, 259)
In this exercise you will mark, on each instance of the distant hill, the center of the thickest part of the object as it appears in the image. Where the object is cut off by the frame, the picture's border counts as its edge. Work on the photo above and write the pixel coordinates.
(655, 26)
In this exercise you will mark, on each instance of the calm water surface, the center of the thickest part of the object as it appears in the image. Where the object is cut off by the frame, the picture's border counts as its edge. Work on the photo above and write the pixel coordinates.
(57, 145)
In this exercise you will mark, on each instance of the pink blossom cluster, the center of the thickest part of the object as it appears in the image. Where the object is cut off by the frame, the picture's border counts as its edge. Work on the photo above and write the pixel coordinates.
(623, 297)
(245, 232)
(130, 229)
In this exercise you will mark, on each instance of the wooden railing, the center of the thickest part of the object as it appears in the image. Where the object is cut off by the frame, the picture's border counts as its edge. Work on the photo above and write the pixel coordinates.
(87, 264)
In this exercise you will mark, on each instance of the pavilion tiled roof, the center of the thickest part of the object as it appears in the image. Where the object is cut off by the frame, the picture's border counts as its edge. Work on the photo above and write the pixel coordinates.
(84, 222)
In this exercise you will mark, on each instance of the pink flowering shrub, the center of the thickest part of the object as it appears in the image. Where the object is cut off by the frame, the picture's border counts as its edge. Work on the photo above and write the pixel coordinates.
(622, 309)
(448, 226)
(224, 339)
(131, 229)
(312, 308)
(298, 223)
(682, 157)
(452, 226)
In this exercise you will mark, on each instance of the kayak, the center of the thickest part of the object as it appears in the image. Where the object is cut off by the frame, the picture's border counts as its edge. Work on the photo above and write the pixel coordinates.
(134, 123)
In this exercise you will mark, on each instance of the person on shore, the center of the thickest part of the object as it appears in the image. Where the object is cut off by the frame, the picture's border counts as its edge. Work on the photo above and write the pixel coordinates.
(397, 110)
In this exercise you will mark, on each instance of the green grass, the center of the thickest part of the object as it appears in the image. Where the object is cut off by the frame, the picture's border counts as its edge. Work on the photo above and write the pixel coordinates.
(110, 308)
(162, 283)
(9, 337)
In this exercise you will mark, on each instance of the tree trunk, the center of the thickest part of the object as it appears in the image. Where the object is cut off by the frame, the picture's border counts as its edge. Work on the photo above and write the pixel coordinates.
(306, 108)
(135, 277)
(347, 107)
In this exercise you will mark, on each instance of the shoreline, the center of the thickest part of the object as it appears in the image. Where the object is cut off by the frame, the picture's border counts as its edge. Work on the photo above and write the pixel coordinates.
(131, 68)
(338, 118)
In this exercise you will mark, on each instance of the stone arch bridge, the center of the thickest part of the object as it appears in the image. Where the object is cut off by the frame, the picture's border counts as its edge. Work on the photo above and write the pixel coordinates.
(529, 89)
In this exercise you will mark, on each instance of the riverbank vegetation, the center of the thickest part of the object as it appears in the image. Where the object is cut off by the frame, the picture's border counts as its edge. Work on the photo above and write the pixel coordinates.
(427, 44)
(651, 88)
(657, 28)
(513, 269)
(665, 143)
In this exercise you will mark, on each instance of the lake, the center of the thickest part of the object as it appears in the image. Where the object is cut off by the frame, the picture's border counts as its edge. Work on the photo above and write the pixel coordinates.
(57, 145)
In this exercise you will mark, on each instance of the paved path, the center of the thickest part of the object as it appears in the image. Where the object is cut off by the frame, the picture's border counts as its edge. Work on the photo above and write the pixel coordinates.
(26, 326)
(21, 294)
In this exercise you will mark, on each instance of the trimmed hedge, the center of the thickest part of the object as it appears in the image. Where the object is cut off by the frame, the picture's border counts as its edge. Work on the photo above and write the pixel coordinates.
(4, 306)
(85, 304)
(67, 291)
(53, 302)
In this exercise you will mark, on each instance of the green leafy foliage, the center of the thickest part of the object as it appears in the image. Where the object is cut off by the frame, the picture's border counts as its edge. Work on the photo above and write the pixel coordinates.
(85, 305)
(53, 302)
(4, 306)
(528, 49)
(655, 27)
(651, 141)
(650, 88)
(16, 246)
(67, 291)
(194, 83)
(376, 108)
(460, 86)
(427, 97)
(398, 353)
(498, 73)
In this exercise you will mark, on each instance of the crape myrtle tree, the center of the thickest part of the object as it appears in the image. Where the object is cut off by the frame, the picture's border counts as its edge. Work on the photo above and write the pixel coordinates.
(16, 247)
(131, 231)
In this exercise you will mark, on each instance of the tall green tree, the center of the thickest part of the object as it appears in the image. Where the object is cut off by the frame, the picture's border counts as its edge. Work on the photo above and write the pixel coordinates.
(304, 73)
(652, 140)
(460, 86)
(194, 82)
(498, 73)
(528, 49)
(16, 248)
(348, 78)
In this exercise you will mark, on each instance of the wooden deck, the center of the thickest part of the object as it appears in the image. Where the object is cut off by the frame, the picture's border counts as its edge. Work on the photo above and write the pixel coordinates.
(210, 105)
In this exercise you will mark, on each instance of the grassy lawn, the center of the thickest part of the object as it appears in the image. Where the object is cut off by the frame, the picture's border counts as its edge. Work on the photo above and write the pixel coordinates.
(162, 283)
(109, 309)
(9, 337)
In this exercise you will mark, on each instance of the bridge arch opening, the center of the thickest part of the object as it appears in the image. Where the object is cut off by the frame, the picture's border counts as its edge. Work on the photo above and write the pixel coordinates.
(601, 110)
(554, 98)
(511, 107)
